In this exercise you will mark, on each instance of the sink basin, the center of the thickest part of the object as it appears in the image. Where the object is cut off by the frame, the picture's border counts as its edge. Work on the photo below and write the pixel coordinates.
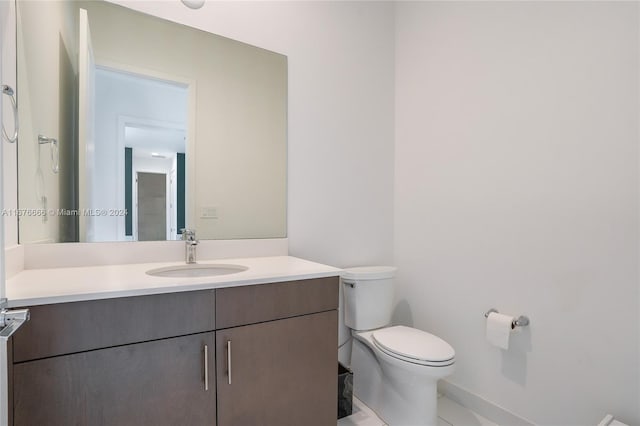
(196, 270)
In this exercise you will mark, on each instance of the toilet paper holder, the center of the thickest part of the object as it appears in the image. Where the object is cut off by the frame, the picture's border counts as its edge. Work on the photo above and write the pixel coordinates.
(521, 321)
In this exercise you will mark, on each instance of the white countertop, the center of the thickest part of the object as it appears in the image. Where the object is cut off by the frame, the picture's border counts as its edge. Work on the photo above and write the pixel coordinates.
(58, 285)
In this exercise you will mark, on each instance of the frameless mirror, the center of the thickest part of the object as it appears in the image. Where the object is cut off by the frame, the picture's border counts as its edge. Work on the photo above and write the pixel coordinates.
(133, 127)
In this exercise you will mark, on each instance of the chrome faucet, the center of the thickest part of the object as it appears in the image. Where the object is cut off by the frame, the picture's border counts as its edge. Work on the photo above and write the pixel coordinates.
(189, 238)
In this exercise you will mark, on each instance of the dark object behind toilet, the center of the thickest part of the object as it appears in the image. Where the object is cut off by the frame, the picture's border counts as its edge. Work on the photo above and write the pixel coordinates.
(345, 391)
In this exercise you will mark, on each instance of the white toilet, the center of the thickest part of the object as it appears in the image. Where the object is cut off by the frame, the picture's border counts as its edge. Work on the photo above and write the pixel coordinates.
(395, 369)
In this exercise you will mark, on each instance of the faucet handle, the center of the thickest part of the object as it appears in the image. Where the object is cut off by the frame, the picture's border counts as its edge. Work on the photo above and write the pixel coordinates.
(188, 234)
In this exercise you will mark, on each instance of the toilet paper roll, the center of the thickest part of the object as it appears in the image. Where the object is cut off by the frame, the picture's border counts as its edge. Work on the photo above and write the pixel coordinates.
(499, 329)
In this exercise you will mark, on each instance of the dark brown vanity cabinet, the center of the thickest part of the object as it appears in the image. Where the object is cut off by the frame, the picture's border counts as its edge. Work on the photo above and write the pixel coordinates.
(161, 382)
(124, 361)
(283, 372)
(165, 359)
(276, 364)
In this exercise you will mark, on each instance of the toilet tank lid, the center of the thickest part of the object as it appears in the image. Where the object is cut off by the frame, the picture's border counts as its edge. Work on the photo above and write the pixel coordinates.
(369, 272)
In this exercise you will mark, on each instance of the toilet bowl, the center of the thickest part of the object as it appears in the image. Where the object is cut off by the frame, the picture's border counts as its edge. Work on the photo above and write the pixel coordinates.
(396, 369)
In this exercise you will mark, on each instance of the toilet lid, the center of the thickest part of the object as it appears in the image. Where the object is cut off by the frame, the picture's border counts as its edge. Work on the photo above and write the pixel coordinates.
(414, 345)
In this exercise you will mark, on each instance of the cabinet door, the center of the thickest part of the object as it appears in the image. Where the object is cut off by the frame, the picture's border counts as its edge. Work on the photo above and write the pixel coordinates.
(282, 372)
(155, 383)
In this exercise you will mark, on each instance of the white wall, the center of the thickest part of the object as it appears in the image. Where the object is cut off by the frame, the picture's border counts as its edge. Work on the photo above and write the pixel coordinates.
(340, 124)
(517, 188)
(9, 151)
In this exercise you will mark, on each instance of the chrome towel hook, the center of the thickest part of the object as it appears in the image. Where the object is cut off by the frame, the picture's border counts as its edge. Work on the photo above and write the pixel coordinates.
(55, 152)
(7, 90)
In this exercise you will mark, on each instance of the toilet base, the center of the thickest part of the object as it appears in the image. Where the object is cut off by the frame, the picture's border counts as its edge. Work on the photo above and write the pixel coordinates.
(400, 395)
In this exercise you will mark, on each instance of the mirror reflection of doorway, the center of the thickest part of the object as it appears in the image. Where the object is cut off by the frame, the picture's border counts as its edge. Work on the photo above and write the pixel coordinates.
(152, 201)
(154, 191)
(147, 115)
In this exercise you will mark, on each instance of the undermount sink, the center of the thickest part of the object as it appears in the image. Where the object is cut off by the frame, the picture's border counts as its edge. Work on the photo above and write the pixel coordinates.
(196, 270)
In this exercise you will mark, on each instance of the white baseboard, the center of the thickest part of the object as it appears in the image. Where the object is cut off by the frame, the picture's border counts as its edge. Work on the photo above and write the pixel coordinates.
(481, 406)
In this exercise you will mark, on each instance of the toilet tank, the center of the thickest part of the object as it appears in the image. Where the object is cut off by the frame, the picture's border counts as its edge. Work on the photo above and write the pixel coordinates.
(368, 296)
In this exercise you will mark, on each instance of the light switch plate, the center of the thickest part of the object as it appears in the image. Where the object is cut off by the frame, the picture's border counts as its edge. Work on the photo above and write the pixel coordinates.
(208, 212)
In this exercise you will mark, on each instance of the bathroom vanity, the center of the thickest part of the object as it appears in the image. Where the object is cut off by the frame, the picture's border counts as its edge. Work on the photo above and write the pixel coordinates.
(253, 348)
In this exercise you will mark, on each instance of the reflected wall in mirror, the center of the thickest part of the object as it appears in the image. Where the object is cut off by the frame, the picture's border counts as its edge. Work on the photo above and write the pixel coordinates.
(158, 126)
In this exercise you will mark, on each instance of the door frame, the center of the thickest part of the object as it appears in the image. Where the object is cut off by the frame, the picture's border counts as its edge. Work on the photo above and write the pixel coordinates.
(190, 131)
(123, 122)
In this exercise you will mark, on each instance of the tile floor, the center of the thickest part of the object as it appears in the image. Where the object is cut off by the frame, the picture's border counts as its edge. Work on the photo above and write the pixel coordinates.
(450, 413)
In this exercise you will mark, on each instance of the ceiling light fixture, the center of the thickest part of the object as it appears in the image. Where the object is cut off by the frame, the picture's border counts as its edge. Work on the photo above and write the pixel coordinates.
(193, 4)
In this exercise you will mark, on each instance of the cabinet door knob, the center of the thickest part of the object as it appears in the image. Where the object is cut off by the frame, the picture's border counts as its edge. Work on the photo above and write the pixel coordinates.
(229, 360)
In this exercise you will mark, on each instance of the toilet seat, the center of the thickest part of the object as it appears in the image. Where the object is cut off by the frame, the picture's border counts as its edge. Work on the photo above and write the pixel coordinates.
(413, 345)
